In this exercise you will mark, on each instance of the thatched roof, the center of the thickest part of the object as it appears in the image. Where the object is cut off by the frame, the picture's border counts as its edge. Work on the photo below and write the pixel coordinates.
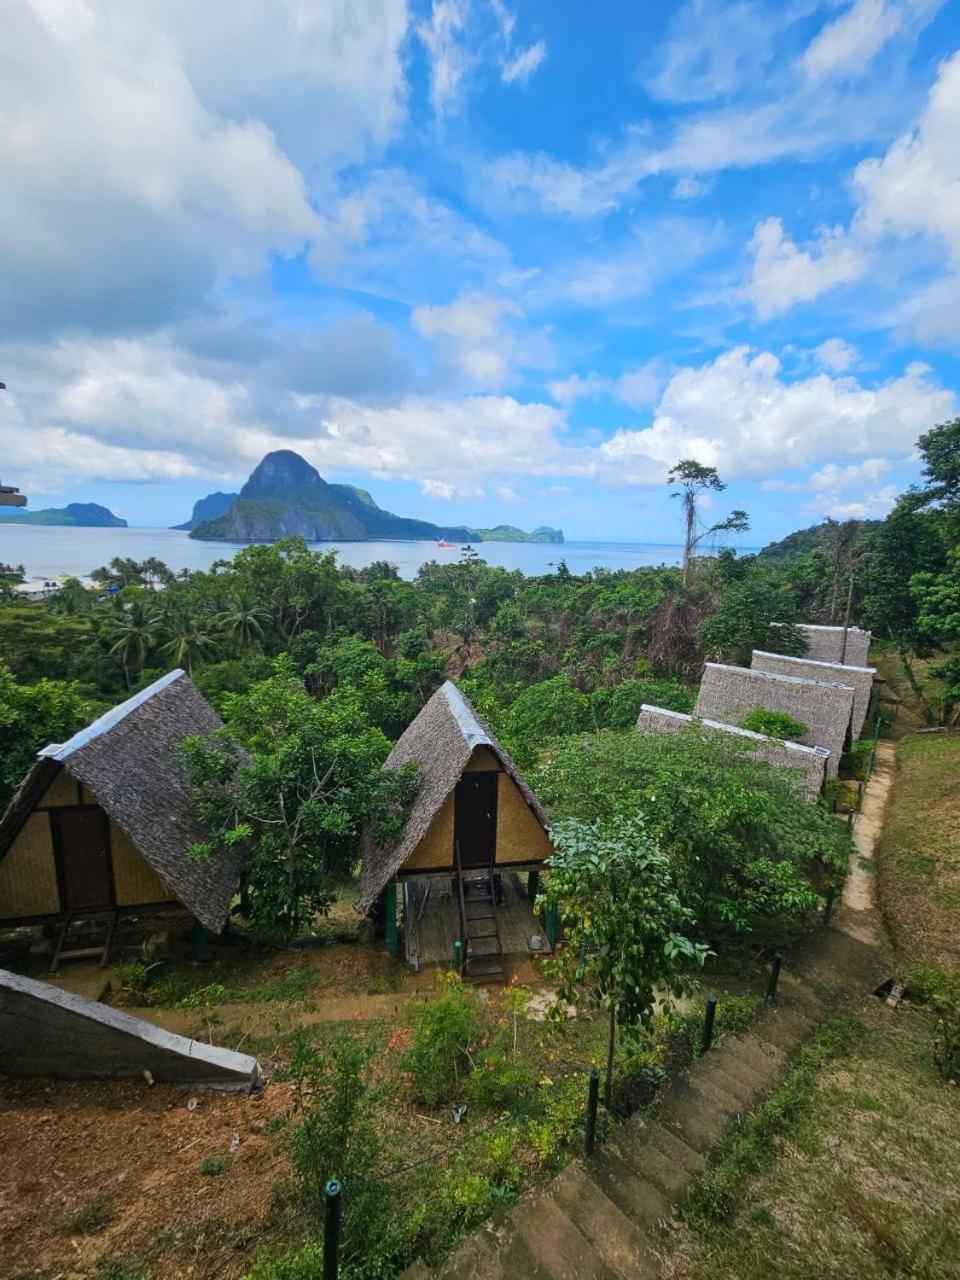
(128, 760)
(441, 741)
(809, 761)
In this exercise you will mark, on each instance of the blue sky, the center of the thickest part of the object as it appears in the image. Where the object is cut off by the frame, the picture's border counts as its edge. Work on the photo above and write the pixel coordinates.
(495, 262)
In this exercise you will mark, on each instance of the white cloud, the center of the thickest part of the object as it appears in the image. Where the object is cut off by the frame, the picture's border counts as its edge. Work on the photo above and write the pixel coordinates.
(448, 58)
(878, 503)
(134, 184)
(837, 355)
(637, 388)
(915, 188)
(740, 414)
(475, 335)
(447, 492)
(847, 46)
(831, 476)
(520, 66)
(784, 274)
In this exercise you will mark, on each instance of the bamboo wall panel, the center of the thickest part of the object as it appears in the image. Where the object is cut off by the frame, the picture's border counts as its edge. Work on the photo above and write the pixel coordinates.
(135, 880)
(62, 790)
(520, 837)
(28, 873)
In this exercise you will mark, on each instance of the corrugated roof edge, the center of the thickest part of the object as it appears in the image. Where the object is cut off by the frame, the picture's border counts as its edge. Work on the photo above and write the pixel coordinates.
(103, 724)
(469, 726)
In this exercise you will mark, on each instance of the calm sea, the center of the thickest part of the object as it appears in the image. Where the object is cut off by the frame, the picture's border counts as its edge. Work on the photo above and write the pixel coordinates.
(47, 551)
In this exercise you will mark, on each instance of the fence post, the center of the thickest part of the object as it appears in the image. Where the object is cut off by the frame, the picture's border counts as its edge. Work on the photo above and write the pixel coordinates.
(828, 905)
(774, 978)
(392, 919)
(332, 1196)
(709, 1015)
(458, 956)
(593, 1096)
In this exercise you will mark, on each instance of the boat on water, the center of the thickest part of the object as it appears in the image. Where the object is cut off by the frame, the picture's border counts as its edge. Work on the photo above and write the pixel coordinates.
(441, 543)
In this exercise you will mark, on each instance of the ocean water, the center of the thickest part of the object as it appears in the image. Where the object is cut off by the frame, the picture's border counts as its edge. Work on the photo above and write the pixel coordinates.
(48, 550)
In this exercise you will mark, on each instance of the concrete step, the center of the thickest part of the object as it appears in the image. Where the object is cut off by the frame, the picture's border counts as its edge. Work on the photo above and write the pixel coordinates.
(705, 1076)
(619, 1241)
(633, 1194)
(750, 1064)
(670, 1144)
(557, 1243)
(478, 1257)
(644, 1158)
(692, 1116)
(784, 1028)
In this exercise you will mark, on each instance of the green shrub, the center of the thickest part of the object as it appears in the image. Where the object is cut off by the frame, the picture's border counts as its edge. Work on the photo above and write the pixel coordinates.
(773, 724)
(498, 1078)
(442, 1032)
(213, 1166)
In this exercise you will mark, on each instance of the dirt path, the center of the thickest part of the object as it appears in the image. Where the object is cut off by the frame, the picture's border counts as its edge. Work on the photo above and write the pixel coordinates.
(859, 914)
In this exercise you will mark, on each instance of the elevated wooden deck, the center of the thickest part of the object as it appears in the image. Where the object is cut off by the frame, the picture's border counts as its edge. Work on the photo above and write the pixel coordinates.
(432, 920)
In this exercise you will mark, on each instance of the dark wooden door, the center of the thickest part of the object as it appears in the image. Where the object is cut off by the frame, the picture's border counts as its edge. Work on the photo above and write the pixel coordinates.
(82, 841)
(475, 818)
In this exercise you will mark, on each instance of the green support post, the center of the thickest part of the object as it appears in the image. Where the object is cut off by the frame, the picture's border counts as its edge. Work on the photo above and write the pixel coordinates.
(551, 925)
(533, 885)
(392, 919)
(201, 949)
(458, 956)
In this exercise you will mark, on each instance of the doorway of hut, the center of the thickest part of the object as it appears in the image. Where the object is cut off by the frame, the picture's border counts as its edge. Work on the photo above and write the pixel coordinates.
(475, 818)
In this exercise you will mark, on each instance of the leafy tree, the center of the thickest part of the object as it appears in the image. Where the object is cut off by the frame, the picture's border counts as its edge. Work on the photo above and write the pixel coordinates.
(744, 617)
(940, 450)
(626, 928)
(694, 480)
(550, 709)
(191, 637)
(619, 707)
(244, 621)
(31, 716)
(294, 782)
(743, 838)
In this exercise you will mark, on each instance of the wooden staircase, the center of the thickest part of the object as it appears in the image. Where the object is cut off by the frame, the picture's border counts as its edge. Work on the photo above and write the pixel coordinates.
(481, 946)
(85, 935)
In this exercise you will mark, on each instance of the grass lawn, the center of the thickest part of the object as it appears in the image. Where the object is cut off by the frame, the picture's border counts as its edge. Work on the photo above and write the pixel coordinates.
(858, 1178)
(918, 856)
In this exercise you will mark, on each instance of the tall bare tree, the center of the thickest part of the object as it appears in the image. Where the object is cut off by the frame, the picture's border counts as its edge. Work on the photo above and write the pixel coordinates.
(694, 480)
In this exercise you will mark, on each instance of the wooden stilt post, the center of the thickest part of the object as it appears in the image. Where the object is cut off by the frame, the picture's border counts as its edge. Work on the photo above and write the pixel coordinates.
(533, 885)
(551, 925)
(201, 949)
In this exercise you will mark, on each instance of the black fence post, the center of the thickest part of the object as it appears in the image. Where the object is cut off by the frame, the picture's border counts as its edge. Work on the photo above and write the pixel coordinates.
(333, 1204)
(828, 905)
(774, 978)
(708, 1017)
(593, 1096)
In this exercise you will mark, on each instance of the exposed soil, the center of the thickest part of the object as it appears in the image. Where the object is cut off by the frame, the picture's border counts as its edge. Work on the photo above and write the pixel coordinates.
(141, 1149)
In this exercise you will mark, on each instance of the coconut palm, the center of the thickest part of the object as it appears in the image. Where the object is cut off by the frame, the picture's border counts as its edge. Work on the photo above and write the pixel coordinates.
(243, 620)
(191, 638)
(132, 631)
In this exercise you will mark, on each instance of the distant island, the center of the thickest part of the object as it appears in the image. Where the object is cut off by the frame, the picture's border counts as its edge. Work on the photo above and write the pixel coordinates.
(211, 507)
(285, 495)
(86, 515)
(510, 533)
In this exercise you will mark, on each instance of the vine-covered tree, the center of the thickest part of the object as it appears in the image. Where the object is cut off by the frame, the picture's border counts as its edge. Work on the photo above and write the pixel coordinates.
(695, 479)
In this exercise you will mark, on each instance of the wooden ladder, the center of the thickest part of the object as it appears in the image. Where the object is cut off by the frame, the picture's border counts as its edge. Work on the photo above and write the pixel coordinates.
(481, 943)
(85, 935)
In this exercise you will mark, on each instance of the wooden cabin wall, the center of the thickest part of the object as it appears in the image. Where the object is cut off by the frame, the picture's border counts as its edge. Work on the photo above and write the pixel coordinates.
(520, 837)
(28, 873)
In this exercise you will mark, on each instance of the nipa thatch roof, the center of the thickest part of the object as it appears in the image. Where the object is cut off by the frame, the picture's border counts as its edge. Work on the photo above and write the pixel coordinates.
(441, 741)
(129, 761)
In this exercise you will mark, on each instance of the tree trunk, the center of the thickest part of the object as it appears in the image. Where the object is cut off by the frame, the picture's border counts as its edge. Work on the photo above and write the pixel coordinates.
(611, 1045)
(846, 618)
(690, 511)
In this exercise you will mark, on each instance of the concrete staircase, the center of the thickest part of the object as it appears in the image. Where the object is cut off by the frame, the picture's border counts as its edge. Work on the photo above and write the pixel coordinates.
(601, 1219)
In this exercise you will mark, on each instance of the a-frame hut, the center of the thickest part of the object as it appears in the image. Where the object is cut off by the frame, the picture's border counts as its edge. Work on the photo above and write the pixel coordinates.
(474, 826)
(101, 824)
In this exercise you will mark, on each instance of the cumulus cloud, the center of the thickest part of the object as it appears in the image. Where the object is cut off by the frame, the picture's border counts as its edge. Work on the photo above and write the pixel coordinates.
(474, 334)
(637, 388)
(837, 355)
(878, 503)
(131, 190)
(741, 414)
(784, 274)
(831, 476)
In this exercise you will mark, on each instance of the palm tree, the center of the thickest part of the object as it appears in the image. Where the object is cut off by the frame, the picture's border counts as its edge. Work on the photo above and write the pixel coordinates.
(132, 633)
(243, 620)
(190, 639)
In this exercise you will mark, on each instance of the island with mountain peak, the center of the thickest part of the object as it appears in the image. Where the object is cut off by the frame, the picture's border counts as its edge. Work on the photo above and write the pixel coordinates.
(80, 515)
(286, 495)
